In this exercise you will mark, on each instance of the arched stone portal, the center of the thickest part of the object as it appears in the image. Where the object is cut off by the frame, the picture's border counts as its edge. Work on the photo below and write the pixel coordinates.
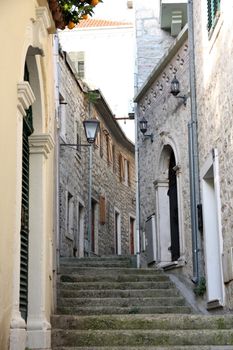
(168, 205)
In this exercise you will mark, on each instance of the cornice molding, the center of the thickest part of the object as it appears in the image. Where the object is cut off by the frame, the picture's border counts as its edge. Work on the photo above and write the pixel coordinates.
(41, 144)
(26, 96)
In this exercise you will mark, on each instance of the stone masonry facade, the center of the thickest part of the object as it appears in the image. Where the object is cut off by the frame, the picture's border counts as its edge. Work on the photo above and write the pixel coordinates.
(168, 121)
(152, 41)
(113, 178)
(213, 53)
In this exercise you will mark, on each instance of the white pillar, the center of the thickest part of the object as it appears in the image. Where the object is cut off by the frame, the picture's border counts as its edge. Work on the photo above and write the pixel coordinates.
(18, 325)
(162, 220)
(38, 326)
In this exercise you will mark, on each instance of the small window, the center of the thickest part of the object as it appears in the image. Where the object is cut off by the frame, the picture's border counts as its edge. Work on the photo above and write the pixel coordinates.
(124, 169)
(102, 210)
(78, 59)
(78, 138)
(213, 7)
(70, 215)
(109, 150)
(62, 116)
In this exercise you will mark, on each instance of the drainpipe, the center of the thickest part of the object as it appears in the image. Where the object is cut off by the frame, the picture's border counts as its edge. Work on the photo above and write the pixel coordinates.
(57, 155)
(136, 115)
(193, 154)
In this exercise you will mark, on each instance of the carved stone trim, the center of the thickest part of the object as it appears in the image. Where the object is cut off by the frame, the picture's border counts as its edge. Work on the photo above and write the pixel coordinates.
(41, 144)
(26, 96)
(160, 183)
(43, 18)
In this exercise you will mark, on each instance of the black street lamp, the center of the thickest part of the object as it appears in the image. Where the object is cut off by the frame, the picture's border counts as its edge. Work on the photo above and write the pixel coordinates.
(175, 89)
(143, 128)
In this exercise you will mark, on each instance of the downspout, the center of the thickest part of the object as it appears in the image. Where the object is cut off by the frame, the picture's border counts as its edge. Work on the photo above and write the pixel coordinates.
(137, 186)
(56, 264)
(193, 154)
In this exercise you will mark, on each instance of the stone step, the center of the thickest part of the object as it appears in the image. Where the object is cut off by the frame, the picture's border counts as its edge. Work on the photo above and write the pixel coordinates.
(141, 337)
(114, 278)
(101, 262)
(110, 310)
(117, 293)
(67, 269)
(122, 302)
(169, 321)
(180, 347)
(114, 285)
(98, 258)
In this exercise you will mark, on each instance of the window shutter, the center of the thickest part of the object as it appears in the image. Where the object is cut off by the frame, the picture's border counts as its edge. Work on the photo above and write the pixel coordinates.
(121, 167)
(209, 14)
(213, 6)
(109, 149)
(129, 174)
(101, 142)
(102, 206)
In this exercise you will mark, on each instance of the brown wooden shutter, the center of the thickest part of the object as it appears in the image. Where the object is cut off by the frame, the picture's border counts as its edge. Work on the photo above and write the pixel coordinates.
(129, 174)
(101, 142)
(121, 167)
(102, 207)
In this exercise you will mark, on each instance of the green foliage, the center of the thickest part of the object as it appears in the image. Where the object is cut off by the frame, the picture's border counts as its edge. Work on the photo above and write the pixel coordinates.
(200, 289)
(76, 10)
(93, 96)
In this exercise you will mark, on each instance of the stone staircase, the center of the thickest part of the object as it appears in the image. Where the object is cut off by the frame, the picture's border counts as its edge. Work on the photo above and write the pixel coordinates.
(105, 303)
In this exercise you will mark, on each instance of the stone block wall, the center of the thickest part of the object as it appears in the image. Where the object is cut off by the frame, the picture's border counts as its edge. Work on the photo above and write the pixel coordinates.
(151, 40)
(168, 121)
(213, 53)
(106, 182)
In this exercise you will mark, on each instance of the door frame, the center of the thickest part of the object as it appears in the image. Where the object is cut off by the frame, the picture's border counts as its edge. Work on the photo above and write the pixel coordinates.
(117, 231)
(212, 225)
(132, 218)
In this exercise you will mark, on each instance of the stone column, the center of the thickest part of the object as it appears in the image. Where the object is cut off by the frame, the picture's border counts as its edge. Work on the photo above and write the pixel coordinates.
(38, 327)
(18, 325)
(162, 220)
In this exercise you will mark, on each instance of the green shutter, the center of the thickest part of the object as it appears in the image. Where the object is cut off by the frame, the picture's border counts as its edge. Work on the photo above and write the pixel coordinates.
(24, 232)
(213, 7)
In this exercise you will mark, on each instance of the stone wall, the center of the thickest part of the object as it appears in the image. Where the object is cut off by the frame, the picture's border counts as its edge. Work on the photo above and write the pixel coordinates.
(151, 40)
(168, 120)
(215, 109)
(105, 174)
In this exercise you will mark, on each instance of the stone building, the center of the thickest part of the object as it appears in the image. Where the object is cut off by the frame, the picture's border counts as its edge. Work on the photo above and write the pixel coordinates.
(113, 179)
(213, 63)
(103, 52)
(164, 165)
(198, 134)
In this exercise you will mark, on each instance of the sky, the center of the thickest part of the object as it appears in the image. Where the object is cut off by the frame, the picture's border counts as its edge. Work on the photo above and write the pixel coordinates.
(117, 10)
(114, 10)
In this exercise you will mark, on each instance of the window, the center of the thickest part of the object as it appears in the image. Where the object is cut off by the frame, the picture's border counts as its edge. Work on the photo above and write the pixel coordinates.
(78, 138)
(109, 150)
(78, 59)
(102, 210)
(70, 215)
(213, 13)
(62, 116)
(124, 169)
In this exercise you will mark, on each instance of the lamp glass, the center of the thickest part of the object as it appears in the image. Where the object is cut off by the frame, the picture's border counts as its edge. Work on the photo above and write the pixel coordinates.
(91, 127)
(143, 125)
(175, 86)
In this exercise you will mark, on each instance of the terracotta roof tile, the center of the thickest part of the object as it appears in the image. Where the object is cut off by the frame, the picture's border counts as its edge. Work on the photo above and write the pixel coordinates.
(90, 22)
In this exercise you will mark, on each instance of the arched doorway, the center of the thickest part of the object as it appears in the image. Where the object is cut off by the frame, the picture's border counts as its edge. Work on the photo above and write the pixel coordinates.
(173, 206)
(167, 208)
